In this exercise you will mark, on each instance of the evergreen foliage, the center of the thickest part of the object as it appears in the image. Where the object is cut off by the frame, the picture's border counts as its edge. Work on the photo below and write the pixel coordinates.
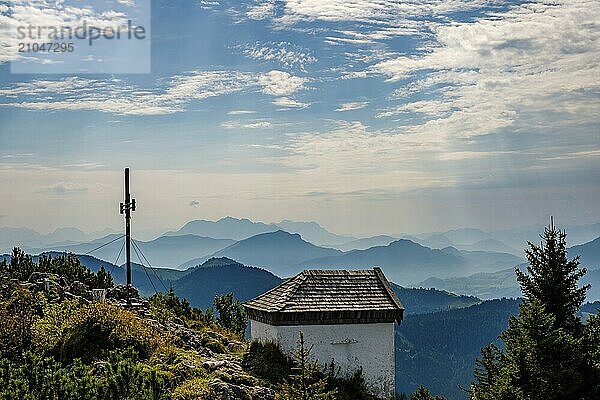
(550, 354)
(553, 279)
(353, 387)
(168, 307)
(21, 267)
(266, 360)
(17, 315)
(307, 382)
(122, 377)
(423, 394)
(232, 315)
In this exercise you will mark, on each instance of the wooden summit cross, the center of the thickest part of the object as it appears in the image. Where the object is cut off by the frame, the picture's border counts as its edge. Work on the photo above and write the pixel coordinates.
(126, 208)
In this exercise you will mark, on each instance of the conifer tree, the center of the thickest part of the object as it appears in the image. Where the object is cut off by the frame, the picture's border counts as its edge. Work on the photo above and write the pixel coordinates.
(422, 393)
(550, 354)
(231, 313)
(553, 279)
(307, 383)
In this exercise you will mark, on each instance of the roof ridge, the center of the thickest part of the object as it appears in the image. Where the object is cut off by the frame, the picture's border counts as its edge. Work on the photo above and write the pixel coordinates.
(298, 281)
(388, 289)
(334, 271)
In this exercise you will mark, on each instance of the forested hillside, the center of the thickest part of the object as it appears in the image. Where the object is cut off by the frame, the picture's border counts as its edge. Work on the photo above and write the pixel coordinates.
(439, 350)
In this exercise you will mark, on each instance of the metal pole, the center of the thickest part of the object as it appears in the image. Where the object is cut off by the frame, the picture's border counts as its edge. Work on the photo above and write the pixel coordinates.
(128, 226)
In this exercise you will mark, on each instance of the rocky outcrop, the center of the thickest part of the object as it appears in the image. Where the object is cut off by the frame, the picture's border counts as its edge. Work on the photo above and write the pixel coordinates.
(218, 355)
(220, 390)
(230, 381)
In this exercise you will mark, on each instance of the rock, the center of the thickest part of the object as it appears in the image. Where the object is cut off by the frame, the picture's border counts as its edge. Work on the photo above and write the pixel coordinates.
(216, 336)
(235, 347)
(212, 365)
(48, 285)
(122, 292)
(263, 393)
(63, 282)
(80, 289)
(220, 390)
(38, 277)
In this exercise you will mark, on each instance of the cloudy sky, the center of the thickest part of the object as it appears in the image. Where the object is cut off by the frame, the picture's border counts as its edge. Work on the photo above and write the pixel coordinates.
(369, 117)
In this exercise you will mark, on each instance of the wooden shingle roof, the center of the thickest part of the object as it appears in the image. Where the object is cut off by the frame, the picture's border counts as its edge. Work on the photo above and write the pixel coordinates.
(328, 297)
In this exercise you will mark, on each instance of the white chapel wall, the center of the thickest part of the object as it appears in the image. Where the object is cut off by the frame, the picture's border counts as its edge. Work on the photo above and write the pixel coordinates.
(349, 346)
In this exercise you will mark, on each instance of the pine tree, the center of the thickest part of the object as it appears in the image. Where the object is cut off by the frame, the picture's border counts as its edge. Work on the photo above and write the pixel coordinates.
(550, 354)
(553, 279)
(231, 313)
(308, 383)
(104, 279)
(423, 394)
(21, 265)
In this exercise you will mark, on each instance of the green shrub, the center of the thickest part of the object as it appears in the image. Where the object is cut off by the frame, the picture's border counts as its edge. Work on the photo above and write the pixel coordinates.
(41, 378)
(193, 389)
(17, 315)
(213, 345)
(98, 328)
(48, 330)
(267, 361)
(348, 388)
(167, 306)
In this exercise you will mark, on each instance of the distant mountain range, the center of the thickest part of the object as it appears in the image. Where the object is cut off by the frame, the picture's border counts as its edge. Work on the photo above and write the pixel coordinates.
(280, 252)
(365, 243)
(503, 283)
(242, 228)
(406, 262)
(225, 228)
(465, 239)
(164, 252)
(284, 252)
(589, 253)
(28, 238)
(314, 233)
(222, 275)
(511, 241)
(500, 284)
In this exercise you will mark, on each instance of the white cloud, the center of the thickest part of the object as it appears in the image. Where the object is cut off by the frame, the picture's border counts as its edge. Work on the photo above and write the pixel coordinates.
(284, 53)
(246, 125)
(369, 11)
(262, 10)
(540, 60)
(115, 96)
(287, 103)
(280, 83)
(74, 93)
(352, 106)
(240, 112)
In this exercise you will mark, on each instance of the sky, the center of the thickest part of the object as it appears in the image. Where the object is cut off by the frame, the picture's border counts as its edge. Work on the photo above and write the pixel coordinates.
(369, 117)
